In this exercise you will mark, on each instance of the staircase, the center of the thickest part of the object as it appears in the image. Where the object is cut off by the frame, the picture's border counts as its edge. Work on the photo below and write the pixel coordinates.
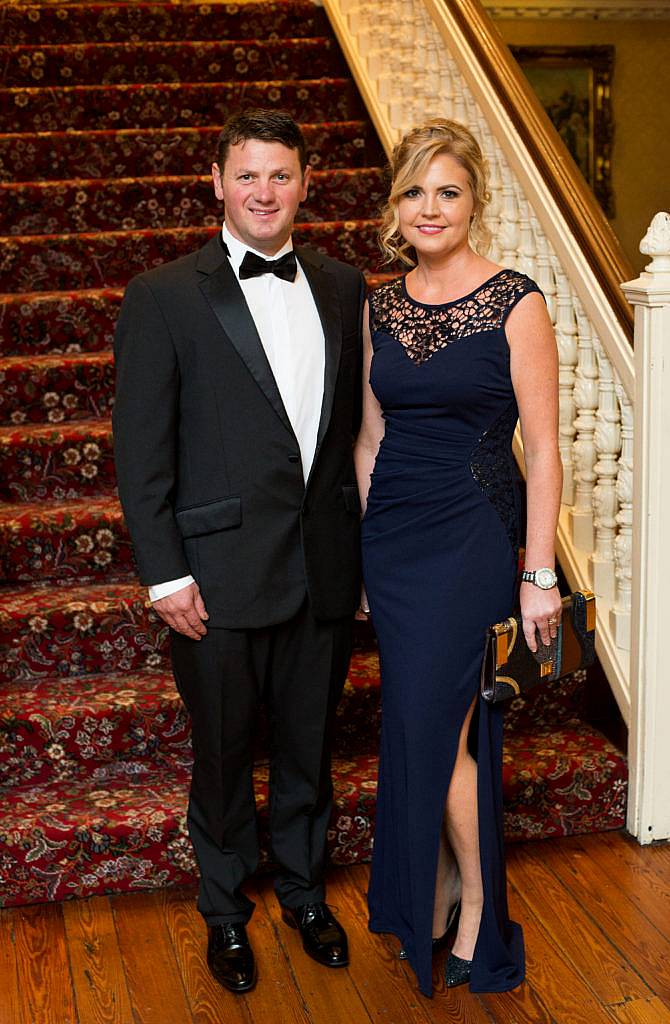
(94, 188)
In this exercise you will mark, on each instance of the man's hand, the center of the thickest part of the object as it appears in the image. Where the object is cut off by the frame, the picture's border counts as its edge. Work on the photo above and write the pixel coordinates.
(184, 611)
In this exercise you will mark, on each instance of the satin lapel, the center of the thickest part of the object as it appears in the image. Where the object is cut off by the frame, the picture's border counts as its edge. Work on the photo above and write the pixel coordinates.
(222, 290)
(324, 290)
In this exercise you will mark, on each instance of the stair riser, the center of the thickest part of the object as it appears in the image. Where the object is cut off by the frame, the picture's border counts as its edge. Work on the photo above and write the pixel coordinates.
(72, 23)
(80, 322)
(147, 62)
(58, 466)
(180, 105)
(142, 844)
(49, 324)
(37, 393)
(49, 735)
(94, 545)
(190, 151)
(110, 260)
(45, 746)
(66, 633)
(563, 782)
(168, 203)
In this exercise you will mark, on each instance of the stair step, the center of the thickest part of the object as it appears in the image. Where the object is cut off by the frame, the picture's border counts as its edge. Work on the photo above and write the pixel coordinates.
(76, 629)
(90, 836)
(54, 726)
(123, 63)
(50, 463)
(84, 539)
(179, 104)
(171, 202)
(564, 781)
(176, 151)
(82, 22)
(56, 388)
(111, 258)
(120, 831)
(39, 323)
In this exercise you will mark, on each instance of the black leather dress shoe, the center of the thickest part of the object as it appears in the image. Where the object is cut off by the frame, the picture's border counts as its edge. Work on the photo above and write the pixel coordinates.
(230, 957)
(323, 938)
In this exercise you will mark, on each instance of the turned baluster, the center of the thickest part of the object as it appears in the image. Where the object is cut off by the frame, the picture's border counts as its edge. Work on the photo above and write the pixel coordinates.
(526, 262)
(605, 501)
(566, 341)
(494, 208)
(623, 544)
(584, 447)
(544, 273)
(458, 108)
(509, 221)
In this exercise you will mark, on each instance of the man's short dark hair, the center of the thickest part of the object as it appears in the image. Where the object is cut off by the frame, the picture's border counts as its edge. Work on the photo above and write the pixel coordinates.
(266, 125)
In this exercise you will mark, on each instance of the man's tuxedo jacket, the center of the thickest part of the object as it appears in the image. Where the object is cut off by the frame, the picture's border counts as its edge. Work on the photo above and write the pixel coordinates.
(208, 467)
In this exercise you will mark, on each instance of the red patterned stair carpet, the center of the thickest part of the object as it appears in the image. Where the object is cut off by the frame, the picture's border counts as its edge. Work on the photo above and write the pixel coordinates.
(109, 117)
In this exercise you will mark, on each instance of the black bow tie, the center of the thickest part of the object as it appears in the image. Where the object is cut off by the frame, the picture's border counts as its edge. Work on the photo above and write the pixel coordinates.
(285, 267)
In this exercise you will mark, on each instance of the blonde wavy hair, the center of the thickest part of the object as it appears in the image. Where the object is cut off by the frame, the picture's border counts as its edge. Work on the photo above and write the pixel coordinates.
(409, 160)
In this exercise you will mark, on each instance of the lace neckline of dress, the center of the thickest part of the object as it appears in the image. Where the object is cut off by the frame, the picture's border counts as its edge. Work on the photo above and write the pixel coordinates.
(454, 302)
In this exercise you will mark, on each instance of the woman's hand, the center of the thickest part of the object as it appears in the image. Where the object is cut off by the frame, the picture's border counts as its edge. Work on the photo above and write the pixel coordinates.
(540, 609)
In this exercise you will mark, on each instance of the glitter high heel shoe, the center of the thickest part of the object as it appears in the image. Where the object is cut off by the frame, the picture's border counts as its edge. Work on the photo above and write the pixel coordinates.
(457, 971)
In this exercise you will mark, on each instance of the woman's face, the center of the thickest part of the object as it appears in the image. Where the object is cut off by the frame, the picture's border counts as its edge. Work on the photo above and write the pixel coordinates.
(435, 212)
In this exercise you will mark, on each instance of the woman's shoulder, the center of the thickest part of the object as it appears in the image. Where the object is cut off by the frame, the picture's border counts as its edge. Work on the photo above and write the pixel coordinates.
(383, 298)
(513, 284)
(385, 291)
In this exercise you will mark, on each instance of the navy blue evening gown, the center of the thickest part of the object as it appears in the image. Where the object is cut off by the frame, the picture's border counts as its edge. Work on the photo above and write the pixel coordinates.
(440, 548)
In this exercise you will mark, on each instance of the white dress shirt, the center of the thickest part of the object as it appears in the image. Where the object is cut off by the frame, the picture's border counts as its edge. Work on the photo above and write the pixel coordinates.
(290, 330)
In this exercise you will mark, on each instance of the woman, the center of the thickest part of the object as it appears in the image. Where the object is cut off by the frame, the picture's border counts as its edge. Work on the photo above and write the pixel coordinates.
(456, 351)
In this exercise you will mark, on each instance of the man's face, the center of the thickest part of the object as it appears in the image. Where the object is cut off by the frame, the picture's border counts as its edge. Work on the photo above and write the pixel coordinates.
(262, 186)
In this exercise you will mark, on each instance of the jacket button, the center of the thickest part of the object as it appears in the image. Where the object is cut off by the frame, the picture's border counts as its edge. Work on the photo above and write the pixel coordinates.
(294, 458)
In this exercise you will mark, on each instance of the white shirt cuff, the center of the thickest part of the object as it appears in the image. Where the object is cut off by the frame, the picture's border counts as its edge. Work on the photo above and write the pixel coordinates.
(160, 590)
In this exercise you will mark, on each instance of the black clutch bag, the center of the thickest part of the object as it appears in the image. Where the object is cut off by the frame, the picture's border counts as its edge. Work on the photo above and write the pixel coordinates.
(510, 669)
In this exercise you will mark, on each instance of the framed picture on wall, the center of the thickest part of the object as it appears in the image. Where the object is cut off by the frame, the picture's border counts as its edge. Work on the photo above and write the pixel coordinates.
(573, 84)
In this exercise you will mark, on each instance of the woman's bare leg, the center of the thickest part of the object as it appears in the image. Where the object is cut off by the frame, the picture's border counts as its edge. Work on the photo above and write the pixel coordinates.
(463, 834)
(447, 885)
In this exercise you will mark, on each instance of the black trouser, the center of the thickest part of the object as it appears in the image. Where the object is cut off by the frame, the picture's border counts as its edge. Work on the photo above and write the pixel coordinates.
(298, 669)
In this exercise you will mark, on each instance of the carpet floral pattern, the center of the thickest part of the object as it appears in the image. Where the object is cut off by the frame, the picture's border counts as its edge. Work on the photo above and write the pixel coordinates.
(110, 115)
(128, 152)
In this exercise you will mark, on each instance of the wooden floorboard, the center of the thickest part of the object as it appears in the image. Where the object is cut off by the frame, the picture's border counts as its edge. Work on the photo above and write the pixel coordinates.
(11, 1004)
(608, 899)
(42, 964)
(155, 984)
(583, 945)
(595, 912)
(188, 935)
(96, 965)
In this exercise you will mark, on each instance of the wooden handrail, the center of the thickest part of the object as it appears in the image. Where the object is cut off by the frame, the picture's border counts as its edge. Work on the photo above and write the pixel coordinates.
(570, 190)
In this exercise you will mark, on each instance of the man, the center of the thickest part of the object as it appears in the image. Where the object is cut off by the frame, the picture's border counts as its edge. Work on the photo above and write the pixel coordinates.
(237, 399)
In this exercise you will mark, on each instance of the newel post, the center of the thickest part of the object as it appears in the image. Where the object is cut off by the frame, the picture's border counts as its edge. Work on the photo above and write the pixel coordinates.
(649, 740)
